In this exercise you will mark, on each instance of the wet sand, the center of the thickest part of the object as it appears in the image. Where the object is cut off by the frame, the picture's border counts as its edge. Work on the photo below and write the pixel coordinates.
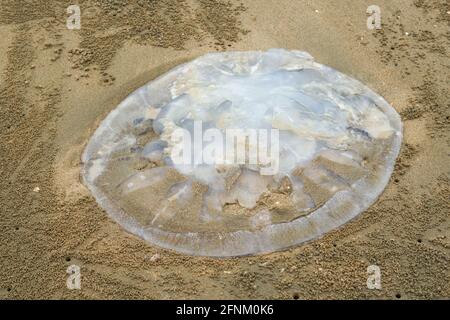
(57, 84)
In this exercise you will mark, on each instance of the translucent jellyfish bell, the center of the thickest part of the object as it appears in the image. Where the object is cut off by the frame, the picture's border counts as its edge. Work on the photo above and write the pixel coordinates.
(337, 145)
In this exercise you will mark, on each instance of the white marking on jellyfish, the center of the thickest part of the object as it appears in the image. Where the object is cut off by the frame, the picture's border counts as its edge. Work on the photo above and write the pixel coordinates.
(341, 157)
(248, 189)
(159, 212)
(301, 199)
(180, 192)
(147, 178)
(152, 113)
(154, 150)
(96, 169)
(212, 199)
(326, 179)
(261, 219)
(377, 124)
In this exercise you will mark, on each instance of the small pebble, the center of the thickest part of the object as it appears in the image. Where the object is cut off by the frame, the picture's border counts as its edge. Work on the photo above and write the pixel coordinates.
(155, 257)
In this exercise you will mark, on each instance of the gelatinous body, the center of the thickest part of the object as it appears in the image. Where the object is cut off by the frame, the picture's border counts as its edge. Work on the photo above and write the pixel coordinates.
(337, 145)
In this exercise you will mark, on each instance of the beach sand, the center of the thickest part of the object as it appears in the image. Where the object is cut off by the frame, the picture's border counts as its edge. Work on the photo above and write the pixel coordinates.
(57, 84)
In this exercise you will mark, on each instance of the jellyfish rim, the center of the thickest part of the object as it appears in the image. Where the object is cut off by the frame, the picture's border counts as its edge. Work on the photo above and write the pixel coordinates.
(272, 237)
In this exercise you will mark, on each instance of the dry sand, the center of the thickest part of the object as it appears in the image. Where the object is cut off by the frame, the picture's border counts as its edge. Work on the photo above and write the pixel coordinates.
(57, 84)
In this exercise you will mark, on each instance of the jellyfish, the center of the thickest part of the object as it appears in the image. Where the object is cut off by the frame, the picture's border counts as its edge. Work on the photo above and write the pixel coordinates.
(159, 164)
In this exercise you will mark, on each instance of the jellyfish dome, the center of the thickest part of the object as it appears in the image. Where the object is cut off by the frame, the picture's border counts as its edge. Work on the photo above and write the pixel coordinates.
(316, 149)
